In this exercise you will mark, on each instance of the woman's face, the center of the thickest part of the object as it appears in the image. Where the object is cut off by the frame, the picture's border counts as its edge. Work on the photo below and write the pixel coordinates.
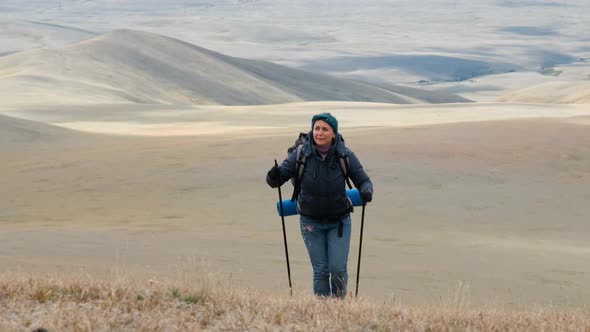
(322, 133)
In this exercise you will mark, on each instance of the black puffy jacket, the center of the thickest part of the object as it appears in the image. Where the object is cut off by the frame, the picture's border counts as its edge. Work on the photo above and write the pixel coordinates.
(323, 186)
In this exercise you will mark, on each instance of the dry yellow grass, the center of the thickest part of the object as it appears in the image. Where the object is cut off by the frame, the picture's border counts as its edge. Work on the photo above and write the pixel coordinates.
(122, 304)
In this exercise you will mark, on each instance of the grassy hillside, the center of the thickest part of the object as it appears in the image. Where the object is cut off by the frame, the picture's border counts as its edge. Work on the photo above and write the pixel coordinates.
(86, 304)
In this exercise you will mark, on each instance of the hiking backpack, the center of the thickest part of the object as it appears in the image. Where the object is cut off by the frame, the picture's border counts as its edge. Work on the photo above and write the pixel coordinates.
(300, 165)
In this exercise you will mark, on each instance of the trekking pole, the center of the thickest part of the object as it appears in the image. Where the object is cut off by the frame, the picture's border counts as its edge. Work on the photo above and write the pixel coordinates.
(358, 269)
(285, 238)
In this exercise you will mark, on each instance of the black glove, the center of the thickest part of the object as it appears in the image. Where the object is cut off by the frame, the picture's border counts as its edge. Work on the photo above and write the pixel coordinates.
(274, 173)
(367, 195)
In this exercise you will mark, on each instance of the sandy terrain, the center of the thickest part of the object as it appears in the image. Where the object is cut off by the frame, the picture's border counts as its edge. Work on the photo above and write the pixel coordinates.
(498, 205)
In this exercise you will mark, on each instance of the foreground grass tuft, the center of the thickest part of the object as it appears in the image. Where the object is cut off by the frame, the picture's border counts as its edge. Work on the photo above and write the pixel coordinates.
(86, 304)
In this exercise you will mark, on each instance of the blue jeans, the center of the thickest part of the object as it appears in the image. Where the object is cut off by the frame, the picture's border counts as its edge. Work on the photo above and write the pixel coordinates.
(328, 254)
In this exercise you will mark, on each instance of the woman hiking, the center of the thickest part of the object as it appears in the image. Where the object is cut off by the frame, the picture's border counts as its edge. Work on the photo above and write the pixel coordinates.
(323, 205)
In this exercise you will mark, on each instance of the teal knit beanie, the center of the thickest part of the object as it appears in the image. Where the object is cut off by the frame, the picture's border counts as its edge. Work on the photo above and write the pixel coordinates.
(328, 118)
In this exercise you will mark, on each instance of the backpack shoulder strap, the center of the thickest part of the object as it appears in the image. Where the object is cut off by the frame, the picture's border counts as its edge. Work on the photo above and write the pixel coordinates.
(301, 158)
(345, 166)
(299, 168)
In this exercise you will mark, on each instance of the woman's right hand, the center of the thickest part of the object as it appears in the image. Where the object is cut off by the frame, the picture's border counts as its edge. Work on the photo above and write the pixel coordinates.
(274, 173)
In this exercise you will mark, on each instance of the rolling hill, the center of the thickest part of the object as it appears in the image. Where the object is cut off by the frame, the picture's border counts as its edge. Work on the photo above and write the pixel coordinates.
(566, 92)
(126, 66)
(15, 130)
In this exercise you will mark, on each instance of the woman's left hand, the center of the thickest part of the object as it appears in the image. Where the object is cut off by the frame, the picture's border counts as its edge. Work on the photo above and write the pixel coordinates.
(367, 195)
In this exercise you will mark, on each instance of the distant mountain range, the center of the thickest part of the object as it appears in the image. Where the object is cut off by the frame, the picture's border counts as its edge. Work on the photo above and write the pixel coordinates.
(126, 66)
